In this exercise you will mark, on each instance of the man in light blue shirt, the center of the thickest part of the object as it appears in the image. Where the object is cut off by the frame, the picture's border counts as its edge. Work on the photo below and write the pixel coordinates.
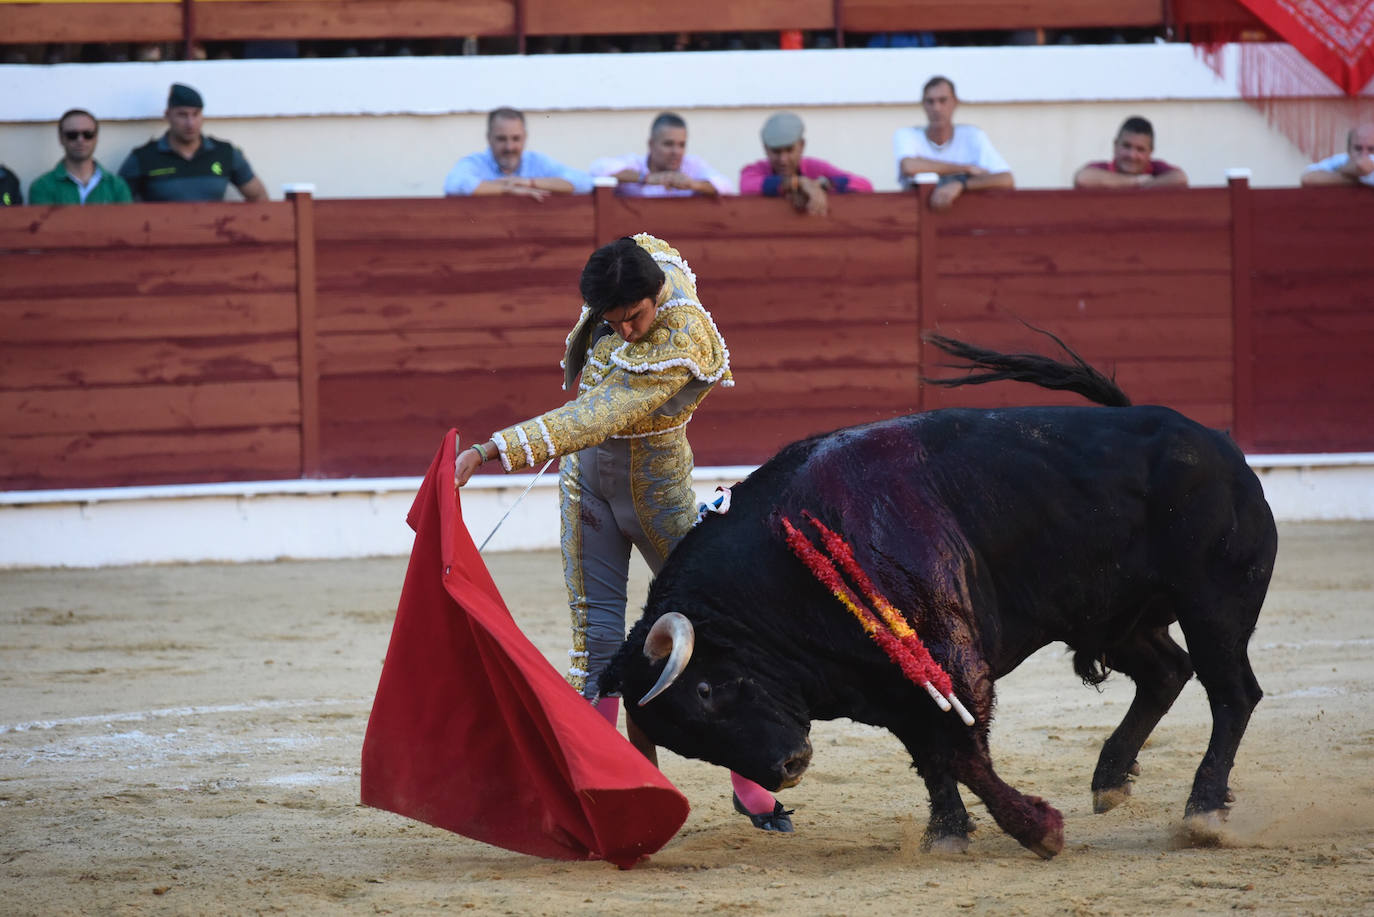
(506, 168)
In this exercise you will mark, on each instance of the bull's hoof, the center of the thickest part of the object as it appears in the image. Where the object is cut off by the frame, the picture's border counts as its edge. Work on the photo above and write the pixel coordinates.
(1104, 800)
(1205, 829)
(944, 843)
(1048, 845)
(1052, 841)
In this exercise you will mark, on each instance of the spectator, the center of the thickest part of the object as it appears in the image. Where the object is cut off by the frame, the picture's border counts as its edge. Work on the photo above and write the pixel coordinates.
(786, 172)
(186, 165)
(506, 168)
(78, 178)
(1131, 165)
(667, 169)
(960, 154)
(10, 194)
(1353, 167)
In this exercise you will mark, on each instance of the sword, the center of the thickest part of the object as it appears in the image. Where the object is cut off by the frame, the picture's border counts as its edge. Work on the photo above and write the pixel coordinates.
(516, 503)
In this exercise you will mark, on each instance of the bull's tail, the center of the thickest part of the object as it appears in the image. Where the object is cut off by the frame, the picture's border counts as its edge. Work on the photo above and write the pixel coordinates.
(983, 365)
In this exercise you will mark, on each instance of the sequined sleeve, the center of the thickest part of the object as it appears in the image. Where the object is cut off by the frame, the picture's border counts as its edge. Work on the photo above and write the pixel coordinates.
(616, 403)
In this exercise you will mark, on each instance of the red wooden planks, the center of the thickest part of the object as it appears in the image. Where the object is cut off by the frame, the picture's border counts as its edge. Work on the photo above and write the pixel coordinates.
(145, 225)
(964, 15)
(146, 408)
(229, 20)
(554, 17)
(101, 459)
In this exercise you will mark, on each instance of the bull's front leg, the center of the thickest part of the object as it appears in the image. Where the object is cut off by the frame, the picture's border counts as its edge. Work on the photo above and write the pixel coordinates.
(950, 824)
(1036, 824)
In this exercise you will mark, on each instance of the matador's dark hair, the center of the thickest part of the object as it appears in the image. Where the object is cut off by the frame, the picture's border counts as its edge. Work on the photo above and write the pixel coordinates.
(618, 274)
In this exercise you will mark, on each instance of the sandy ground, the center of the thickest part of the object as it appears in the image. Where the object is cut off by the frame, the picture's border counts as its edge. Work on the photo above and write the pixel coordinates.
(186, 740)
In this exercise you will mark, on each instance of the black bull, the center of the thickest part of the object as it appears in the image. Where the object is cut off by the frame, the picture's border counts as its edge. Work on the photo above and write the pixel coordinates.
(996, 532)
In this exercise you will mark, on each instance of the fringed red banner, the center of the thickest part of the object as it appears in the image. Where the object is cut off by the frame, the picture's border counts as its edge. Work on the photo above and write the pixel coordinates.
(1337, 36)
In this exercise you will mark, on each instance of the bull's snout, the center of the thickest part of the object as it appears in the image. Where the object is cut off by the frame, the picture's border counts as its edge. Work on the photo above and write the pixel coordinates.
(795, 765)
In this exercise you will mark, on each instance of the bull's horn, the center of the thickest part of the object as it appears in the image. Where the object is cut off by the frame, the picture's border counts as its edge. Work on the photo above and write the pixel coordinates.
(672, 636)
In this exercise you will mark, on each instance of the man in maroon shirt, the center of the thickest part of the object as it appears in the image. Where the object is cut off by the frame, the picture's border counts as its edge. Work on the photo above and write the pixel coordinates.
(1131, 165)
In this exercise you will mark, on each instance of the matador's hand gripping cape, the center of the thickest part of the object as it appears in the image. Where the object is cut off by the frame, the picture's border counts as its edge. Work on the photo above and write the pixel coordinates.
(472, 730)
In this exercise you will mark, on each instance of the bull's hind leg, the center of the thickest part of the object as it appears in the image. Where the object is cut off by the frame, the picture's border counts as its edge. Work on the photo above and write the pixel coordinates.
(1217, 634)
(1160, 668)
(1233, 693)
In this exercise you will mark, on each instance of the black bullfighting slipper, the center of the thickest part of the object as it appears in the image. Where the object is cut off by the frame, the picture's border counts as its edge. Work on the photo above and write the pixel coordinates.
(777, 820)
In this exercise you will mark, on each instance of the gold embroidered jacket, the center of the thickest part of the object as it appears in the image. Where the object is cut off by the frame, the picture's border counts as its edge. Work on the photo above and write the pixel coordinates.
(632, 390)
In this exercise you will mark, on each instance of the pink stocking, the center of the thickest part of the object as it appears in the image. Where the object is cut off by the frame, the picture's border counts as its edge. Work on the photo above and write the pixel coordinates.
(754, 797)
(609, 708)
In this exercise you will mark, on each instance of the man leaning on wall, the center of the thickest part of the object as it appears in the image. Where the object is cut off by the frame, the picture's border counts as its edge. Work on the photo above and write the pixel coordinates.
(1132, 164)
(665, 169)
(185, 164)
(79, 178)
(787, 172)
(506, 167)
(961, 154)
(1353, 167)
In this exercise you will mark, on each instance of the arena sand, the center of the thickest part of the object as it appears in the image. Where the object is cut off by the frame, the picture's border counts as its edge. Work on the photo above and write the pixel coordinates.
(185, 740)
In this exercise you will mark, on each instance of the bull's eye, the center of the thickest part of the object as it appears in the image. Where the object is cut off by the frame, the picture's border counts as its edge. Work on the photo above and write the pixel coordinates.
(704, 690)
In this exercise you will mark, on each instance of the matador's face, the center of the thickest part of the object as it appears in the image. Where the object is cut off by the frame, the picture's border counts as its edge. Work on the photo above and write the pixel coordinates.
(632, 322)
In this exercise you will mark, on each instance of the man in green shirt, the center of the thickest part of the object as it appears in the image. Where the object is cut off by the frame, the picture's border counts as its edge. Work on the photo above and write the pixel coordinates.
(78, 178)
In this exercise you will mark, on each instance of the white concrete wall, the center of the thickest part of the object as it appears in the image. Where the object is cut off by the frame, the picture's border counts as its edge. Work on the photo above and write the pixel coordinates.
(361, 518)
(394, 126)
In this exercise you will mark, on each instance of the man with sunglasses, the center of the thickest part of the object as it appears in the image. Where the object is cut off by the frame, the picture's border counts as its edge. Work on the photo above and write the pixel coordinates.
(185, 164)
(79, 178)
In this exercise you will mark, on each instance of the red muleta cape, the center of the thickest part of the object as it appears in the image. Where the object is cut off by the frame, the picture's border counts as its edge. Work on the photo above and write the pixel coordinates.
(474, 731)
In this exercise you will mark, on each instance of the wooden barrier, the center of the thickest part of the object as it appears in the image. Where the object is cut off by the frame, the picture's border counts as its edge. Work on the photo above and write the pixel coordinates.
(203, 20)
(1312, 317)
(972, 15)
(60, 23)
(1138, 286)
(158, 343)
(148, 344)
(440, 313)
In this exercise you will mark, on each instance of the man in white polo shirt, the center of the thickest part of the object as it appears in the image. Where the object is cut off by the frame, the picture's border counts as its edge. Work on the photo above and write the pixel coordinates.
(960, 154)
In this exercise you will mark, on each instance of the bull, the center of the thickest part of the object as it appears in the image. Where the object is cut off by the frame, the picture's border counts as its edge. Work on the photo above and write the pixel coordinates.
(995, 532)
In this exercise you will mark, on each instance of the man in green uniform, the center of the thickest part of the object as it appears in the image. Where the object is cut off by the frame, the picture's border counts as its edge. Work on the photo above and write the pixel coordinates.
(185, 164)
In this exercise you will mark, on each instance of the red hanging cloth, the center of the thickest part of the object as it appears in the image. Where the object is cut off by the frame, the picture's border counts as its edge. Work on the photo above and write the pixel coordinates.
(1336, 36)
(472, 730)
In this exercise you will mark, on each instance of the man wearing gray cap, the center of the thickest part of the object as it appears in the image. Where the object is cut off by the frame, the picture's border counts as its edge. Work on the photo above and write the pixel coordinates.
(186, 165)
(803, 180)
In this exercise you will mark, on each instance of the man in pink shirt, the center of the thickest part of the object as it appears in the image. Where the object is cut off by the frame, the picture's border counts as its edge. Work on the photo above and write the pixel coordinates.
(803, 180)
